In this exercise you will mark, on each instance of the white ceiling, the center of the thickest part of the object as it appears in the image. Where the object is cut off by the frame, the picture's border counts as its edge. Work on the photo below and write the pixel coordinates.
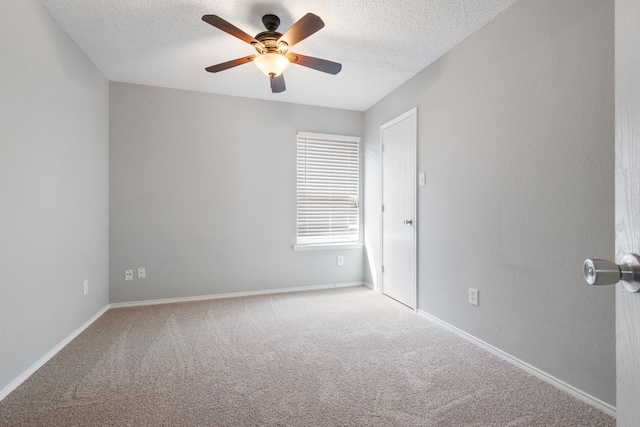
(380, 43)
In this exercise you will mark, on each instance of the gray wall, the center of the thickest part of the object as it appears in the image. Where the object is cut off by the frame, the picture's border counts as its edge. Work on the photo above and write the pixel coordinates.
(202, 194)
(516, 135)
(53, 186)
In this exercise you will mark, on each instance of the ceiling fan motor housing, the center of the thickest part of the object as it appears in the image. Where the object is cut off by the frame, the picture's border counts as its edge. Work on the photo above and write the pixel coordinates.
(269, 38)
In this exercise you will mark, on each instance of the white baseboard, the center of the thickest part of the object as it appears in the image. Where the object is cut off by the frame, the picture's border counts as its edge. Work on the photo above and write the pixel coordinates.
(369, 285)
(44, 359)
(234, 294)
(587, 398)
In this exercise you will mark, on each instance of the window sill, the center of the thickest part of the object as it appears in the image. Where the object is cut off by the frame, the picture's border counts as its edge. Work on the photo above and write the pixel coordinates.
(327, 246)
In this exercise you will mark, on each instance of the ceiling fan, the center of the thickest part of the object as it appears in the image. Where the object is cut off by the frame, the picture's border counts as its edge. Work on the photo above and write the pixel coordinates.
(273, 55)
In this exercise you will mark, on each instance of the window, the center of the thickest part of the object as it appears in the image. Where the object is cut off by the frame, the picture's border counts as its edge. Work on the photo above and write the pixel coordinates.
(328, 181)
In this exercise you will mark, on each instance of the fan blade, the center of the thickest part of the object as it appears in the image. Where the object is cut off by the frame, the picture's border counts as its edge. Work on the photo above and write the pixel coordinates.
(302, 29)
(223, 25)
(315, 63)
(230, 64)
(277, 84)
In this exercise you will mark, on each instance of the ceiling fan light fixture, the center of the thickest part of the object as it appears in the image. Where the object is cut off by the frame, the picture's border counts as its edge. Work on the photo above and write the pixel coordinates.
(273, 55)
(272, 64)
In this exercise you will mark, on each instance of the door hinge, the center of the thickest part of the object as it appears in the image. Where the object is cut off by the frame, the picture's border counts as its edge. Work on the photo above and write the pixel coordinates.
(382, 208)
(383, 269)
(381, 147)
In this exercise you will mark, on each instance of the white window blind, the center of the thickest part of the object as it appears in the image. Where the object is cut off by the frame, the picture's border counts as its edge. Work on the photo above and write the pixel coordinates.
(327, 189)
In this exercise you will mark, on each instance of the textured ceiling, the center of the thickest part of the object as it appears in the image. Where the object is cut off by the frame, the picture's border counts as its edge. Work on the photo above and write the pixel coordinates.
(380, 43)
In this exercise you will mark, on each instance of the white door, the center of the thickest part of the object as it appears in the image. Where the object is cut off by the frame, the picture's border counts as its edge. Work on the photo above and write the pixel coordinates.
(627, 206)
(398, 144)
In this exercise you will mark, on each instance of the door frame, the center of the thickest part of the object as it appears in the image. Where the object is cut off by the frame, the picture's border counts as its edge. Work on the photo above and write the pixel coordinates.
(627, 150)
(414, 163)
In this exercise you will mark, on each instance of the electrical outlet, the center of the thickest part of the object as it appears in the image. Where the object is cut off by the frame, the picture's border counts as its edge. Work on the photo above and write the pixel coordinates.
(85, 287)
(473, 296)
(340, 260)
(128, 275)
(142, 273)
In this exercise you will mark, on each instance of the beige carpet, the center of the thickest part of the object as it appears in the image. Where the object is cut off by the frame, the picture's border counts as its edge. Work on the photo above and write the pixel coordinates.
(342, 357)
